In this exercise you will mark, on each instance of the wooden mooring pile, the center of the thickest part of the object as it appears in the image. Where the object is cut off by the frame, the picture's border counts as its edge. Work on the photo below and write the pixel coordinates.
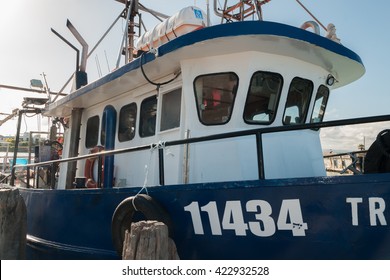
(148, 240)
(13, 224)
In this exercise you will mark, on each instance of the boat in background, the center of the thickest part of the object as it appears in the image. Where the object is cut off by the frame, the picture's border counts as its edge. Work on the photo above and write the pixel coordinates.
(213, 130)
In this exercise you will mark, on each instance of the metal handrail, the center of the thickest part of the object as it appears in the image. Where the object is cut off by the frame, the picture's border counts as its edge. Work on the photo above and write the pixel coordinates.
(258, 132)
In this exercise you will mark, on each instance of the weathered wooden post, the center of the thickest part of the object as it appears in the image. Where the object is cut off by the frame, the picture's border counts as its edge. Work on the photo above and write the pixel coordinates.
(148, 240)
(13, 224)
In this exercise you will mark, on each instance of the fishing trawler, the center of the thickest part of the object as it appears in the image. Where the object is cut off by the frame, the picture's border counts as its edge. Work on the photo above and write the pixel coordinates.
(213, 130)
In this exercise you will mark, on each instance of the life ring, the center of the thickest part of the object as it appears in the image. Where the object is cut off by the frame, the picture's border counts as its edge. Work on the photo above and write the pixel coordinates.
(89, 166)
(124, 212)
(377, 159)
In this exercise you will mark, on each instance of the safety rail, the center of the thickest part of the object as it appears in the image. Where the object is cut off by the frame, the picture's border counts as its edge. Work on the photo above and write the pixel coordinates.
(256, 132)
(356, 165)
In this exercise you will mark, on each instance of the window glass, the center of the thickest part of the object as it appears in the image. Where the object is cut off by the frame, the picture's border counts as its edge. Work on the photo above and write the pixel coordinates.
(297, 101)
(320, 104)
(263, 96)
(103, 131)
(127, 120)
(148, 117)
(170, 111)
(215, 96)
(92, 132)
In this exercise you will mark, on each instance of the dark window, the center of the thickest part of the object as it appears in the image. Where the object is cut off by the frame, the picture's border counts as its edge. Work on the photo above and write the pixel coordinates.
(320, 104)
(148, 117)
(103, 132)
(263, 97)
(215, 95)
(298, 100)
(170, 111)
(127, 120)
(92, 132)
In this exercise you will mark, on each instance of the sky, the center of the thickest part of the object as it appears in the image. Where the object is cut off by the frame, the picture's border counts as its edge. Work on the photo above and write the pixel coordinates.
(29, 50)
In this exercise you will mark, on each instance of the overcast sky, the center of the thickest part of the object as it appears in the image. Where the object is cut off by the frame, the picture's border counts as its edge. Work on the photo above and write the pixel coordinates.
(28, 48)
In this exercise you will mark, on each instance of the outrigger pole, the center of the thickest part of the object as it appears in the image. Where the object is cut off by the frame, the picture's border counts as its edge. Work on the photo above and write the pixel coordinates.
(31, 90)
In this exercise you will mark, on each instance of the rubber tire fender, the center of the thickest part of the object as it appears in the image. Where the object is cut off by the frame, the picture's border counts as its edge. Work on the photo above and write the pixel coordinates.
(124, 212)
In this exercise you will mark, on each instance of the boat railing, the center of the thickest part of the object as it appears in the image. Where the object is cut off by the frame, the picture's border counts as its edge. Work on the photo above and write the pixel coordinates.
(258, 133)
(345, 163)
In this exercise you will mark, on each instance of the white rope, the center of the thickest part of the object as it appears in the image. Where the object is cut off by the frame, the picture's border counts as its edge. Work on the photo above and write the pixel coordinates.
(153, 147)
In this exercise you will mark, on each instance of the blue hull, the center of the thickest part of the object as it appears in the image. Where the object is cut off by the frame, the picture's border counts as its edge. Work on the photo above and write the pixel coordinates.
(309, 218)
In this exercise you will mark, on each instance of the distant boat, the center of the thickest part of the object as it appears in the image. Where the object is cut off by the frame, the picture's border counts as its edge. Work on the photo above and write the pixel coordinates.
(213, 130)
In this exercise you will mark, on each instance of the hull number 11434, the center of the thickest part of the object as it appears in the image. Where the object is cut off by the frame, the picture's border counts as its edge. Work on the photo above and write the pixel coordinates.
(259, 212)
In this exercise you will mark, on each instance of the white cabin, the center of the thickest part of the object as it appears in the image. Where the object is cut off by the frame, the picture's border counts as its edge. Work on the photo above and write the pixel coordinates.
(225, 79)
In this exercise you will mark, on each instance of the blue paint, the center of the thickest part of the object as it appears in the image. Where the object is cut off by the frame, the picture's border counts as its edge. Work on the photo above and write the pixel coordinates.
(80, 228)
(109, 119)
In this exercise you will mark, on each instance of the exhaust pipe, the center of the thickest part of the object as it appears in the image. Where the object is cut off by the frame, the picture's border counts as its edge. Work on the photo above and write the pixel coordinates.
(80, 39)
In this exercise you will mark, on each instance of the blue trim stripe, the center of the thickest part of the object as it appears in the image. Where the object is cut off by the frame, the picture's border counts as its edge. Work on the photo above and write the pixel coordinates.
(257, 28)
(220, 31)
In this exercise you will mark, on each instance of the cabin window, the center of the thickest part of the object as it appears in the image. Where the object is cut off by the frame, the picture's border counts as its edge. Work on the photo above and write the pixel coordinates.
(320, 104)
(103, 132)
(262, 99)
(148, 117)
(215, 95)
(170, 111)
(127, 119)
(92, 132)
(298, 100)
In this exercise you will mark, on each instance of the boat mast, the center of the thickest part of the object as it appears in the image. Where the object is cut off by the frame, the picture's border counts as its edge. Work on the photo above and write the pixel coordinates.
(241, 10)
(132, 10)
(130, 13)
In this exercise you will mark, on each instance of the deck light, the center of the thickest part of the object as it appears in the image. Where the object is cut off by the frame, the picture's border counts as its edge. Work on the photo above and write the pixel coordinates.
(330, 80)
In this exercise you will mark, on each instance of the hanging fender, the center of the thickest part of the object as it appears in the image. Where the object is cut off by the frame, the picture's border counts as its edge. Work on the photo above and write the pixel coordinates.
(124, 212)
(89, 166)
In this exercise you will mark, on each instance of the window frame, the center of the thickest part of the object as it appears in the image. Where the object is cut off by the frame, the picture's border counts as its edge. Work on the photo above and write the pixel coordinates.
(163, 128)
(142, 119)
(306, 108)
(277, 100)
(234, 92)
(120, 123)
(88, 132)
(323, 104)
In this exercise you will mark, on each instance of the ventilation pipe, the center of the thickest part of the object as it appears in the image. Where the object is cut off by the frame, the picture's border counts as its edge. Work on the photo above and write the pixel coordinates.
(81, 78)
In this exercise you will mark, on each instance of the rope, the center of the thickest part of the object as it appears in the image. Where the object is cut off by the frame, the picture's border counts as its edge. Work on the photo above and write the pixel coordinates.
(153, 147)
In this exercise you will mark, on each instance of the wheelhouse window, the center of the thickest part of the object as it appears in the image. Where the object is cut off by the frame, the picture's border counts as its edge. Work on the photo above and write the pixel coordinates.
(92, 132)
(320, 104)
(127, 121)
(170, 111)
(215, 95)
(298, 100)
(148, 117)
(103, 131)
(263, 96)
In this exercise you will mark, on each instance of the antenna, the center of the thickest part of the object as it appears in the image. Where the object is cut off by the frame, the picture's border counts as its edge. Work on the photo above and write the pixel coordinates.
(98, 66)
